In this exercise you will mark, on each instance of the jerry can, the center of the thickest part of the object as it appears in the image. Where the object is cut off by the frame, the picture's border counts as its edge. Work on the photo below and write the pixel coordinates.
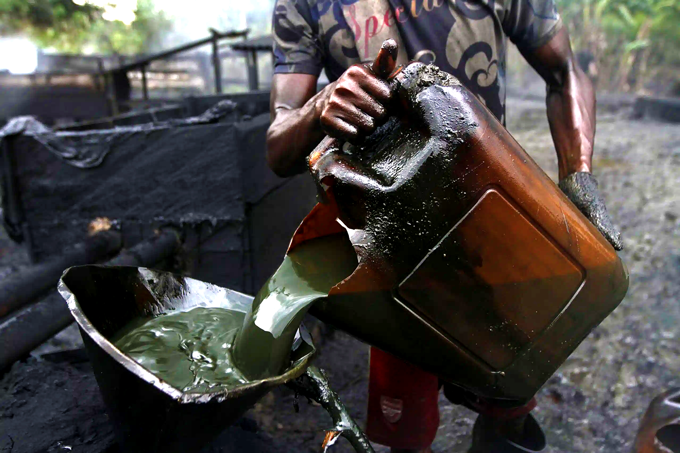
(472, 264)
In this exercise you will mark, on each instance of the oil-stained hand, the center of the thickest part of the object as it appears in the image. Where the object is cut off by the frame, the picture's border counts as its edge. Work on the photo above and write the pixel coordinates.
(359, 100)
(581, 188)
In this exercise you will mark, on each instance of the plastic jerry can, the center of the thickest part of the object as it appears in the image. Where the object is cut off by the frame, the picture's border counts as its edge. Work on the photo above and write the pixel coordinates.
(473, 264)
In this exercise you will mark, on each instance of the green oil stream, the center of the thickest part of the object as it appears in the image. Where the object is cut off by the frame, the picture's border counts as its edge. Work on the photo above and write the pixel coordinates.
(307, 274)
(204, 348)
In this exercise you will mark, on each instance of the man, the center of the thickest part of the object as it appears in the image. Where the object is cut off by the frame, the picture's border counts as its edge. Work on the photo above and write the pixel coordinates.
(466, 38)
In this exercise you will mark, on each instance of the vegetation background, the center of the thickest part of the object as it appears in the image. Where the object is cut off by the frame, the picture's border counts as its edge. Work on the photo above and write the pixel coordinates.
(636, 43)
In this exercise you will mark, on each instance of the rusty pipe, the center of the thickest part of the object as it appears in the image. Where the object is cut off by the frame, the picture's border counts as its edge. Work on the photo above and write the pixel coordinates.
(23, 288)
(31, 327)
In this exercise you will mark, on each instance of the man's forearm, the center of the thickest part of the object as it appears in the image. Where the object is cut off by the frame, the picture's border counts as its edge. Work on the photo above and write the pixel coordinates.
(570, 102)
(571, 114)
(294, 133)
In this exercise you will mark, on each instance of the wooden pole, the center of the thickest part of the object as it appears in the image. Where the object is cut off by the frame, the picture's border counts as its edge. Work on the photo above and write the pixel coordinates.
(253, 82)
(145, 88)
(217, 64)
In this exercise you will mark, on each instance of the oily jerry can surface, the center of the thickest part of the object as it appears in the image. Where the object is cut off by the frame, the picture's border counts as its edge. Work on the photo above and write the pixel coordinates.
(472, 263)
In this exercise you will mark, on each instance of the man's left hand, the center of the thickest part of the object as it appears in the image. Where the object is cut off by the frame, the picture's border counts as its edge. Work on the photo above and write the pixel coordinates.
(581, 188)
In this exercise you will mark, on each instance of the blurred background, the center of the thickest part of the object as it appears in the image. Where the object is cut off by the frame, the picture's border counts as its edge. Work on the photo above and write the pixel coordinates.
(628, 46)
(68, 49)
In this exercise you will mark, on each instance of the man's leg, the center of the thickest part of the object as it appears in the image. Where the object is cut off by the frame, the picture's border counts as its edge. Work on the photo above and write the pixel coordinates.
(501, 427)
(522, 434)
(403, 412)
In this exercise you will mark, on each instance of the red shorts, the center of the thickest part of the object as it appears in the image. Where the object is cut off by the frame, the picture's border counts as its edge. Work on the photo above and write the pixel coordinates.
(403, 409)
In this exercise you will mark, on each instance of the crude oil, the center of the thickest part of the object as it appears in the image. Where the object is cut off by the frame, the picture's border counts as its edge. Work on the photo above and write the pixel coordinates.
(203, 349)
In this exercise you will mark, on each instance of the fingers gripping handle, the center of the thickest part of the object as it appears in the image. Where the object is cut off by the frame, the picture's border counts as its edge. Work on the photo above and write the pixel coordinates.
(383, 66)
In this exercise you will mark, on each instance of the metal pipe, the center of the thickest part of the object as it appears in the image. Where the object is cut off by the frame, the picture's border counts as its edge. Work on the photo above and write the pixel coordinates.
(151, 251)
(22, 288)
(217, 65)
(145, 87)
(31, 327)
(168, 53)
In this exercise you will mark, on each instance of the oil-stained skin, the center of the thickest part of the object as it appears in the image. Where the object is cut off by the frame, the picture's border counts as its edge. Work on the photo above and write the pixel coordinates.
(581, 188)
(358, 103)
(262, 347)
(189, 350)
(349, 108)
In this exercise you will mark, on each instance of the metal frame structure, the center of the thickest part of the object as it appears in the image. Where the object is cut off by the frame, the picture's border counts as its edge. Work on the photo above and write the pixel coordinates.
(143, 63)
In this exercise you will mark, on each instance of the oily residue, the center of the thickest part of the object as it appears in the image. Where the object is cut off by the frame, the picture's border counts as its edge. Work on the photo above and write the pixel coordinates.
(190, 350)
(207, 349)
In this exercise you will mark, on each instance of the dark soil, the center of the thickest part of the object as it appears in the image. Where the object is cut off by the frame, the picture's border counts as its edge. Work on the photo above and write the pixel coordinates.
(53, 405)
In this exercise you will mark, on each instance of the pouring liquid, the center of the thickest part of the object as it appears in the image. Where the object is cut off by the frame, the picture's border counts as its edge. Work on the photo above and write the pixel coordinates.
(308, 273)
(204, 349)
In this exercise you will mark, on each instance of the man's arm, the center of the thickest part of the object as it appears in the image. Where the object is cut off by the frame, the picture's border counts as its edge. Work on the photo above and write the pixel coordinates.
(295, 128)
(571, 114)
(349, 109)
(570, 102)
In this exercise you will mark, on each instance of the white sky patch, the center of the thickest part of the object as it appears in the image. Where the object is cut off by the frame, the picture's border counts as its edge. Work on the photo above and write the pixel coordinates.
(192, 23)
(18, 55)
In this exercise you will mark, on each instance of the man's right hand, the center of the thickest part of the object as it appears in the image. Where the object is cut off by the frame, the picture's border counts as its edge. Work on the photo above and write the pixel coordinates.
(347, 109)
(358, 101)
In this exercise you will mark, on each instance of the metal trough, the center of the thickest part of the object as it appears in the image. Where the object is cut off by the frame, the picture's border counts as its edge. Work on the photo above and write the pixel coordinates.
(148, 414)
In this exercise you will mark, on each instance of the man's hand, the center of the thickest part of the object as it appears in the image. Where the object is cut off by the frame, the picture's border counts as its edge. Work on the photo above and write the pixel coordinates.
(348, 108)
(571, 114)
(581, 189)
(359, 100)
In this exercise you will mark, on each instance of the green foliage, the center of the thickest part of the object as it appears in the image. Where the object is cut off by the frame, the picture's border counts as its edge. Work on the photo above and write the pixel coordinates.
(54, 23)
(145, 34)
(66, 27)
(633, 41)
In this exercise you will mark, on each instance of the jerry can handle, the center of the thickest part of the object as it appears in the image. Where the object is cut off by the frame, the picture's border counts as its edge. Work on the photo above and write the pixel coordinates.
(382, 67)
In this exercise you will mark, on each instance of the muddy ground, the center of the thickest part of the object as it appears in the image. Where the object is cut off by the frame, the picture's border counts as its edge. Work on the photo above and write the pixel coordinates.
(593, 404)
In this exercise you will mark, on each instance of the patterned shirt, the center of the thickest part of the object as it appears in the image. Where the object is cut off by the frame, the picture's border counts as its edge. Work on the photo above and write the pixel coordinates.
(466, 38)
